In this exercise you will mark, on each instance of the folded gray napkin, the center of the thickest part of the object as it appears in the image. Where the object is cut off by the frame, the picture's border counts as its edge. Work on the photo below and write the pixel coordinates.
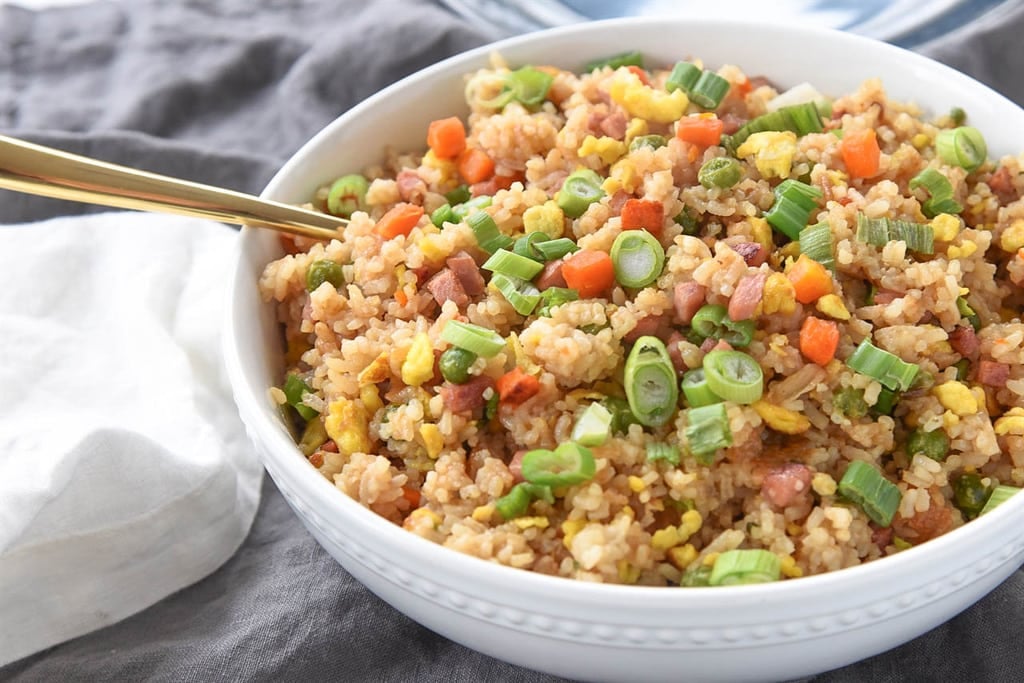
(222, 92)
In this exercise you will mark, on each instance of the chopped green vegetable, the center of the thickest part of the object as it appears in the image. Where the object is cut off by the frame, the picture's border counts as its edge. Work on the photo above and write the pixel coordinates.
(801, 118)
(471, 206)
(999, 495)
(721, 172)
(580, 190)
(652, 141)
(631, 58)
(555, 249)
(695, 388)
(663, 451)
(443, 214)
(455, 363)
(520, 292)
(555, 296)
(593, 427)
(487, 234)
(650, 382)
(526, 246)
(314, 435)
(850, 402)
(794, 203)
(816, 243)
(940, 193)
(886, 401)
(528, 85)
(504, 262)
(968, 313)
(963, 146)
(347, 195)
(734, 375)
(970, 494)
(294, 389)
(704, 88)
(963, 368)
(707, 430)
(638, 258)
(865, 485)
(480, 340)
(459, 195)
(712, 321)
(688, 221)
(515, 503)
(933, 444)
(622, 415)
(324, 271)
(569, 464)
(957, 115)
(696, 577)
(745, 566)
(883, 366)
(683, 76)
(491, 407)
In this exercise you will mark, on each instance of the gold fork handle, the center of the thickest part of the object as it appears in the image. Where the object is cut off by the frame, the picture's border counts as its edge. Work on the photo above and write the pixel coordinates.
(35, 169)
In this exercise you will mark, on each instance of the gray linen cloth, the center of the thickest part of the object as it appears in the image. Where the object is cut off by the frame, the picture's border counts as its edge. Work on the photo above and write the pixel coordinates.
(223, 92)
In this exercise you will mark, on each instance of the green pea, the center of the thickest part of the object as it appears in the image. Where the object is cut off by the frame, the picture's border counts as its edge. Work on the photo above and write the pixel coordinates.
(722, 172)
(652, 141)
(347, 195)
(455, 364)
(688, 220)
(933, 444)
(324, 271)
(969, 494)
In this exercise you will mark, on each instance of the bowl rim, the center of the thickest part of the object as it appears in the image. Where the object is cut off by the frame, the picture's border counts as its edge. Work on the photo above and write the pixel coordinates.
(283, 451)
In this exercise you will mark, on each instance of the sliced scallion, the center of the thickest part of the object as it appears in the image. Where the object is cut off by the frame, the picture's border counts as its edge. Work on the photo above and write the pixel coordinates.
(486, 232)
(887, 368)
(460, 194)
(970, 494)
(526, 245)
(550, 250)
(696, 390)
(885, 402)
(721, 172)
(528, 85)
(471, 206)
(480, 340)
(734, 375)
(650, 382)
(683, 76)
(569, 464)
(638, 258)
(622, 414)
(294, 389)
(593, 427)
(443, 214)
(963, 146)
(745, 566)
(816, 243)
(999, 495)
(707, 430)
(709, 90)
(865, 485)
(880, 231)
(712, 321)
(800, 118)
(968, 313)
(516, 502)
(940, 193)
(651, 141)
(580, 190)
(631, 58)
(663, 451)
(521, 293)
(509, 263)
(555, 296)
(794, 203)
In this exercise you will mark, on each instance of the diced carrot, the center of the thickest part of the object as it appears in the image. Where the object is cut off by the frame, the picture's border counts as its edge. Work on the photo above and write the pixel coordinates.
(810, 279)
(411, 495)
(639, 73)
(589, 272)
(819, 340)
(288, 243)
(446, 137)
(399, 221)
(743, 87)
(497, 182)
(643, 214)
(861, 153)
(700, 129)
(475, 166)
(401, 297)
(516, 386)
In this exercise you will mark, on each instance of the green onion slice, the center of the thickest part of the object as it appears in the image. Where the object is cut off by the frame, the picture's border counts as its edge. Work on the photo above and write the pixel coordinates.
(487, 234)
(721, 172)
(555, 296)
(294, 389)
(514, 503)
(970, 494)
(509, 263)
(745, 566)
(443, 214)
(650, 382)
(663, 451)
(528, 85)
(684, 76)
(801, 118)
(522, 294)
(707, 430)
(709, 90)
(865, 485)
(734, 376)
(963, 146)
(569, 464)
(940, 193)
(652, 141)
(968, 313)
(471, 206)
(580, 190)
(816, 243)
(712, 321)
(347, 195)
(696, 390)
(314, 435)
(880, 231)
(622, 414)
(550, 250)
(526, 245)
(794, 203)
(688, 221)
(883, 366)
(638, 258)
(460, 194)
(631, 58)
(480, 340)
(886, 401)
(999, 495)
(593, 427)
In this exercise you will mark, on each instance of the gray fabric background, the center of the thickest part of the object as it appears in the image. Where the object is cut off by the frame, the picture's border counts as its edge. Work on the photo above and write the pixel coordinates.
(223, 92)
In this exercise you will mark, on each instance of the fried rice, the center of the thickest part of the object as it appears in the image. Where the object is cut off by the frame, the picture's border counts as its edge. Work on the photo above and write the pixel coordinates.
(438, 457)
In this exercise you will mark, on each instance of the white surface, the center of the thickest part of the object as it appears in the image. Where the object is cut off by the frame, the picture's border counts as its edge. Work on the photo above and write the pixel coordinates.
(590, 631)
(125, 474)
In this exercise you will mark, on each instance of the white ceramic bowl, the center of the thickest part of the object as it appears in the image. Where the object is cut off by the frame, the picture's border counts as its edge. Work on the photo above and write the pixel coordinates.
(601, 632)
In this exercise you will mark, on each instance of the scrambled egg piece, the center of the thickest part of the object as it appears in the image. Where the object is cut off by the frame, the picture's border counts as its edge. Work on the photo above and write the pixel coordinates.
(781, 419)
(773, 152)
(761, 232)
(432, 439)
(348, 424)
(682, 556)
(666, 538)
(607, 149)
(447, 167)
(570, 528)
(963, 251)
(832, 306)
(636, 484)
(435, 248)
(644, 101)
(779, 295)
(789, 568)
(635, 129)
(823, 484)
(1012, 238)
(527, 522)
(1011, 423)
(622, 176)
(419, 363)
(377, 371)
(945, 227)
(956, 397)
(370, 396)
(547, 218)
(483, 513)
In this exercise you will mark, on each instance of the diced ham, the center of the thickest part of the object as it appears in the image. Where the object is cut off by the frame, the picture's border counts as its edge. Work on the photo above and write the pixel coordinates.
(731, 123)
(674, 353)
(747, 296)
(687, 298)
(329, 446)
(753, 253)
(445, 286)
(712, 344)
(614, 125)
(468, 272)
(881, 536)
(411, 188)
(460, 398)
(964, 341)
(924, 526)
(785, 484)
(421, 273)
(617, 201)
(993, 374)
(594, 121)
(515, 466)
(1001, 183)
(885, 296)
(653, 325)
(551, 276)
(760, 81)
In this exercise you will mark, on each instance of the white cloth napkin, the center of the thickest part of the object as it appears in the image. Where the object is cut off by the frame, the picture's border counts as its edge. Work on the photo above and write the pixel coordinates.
(125, 472)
